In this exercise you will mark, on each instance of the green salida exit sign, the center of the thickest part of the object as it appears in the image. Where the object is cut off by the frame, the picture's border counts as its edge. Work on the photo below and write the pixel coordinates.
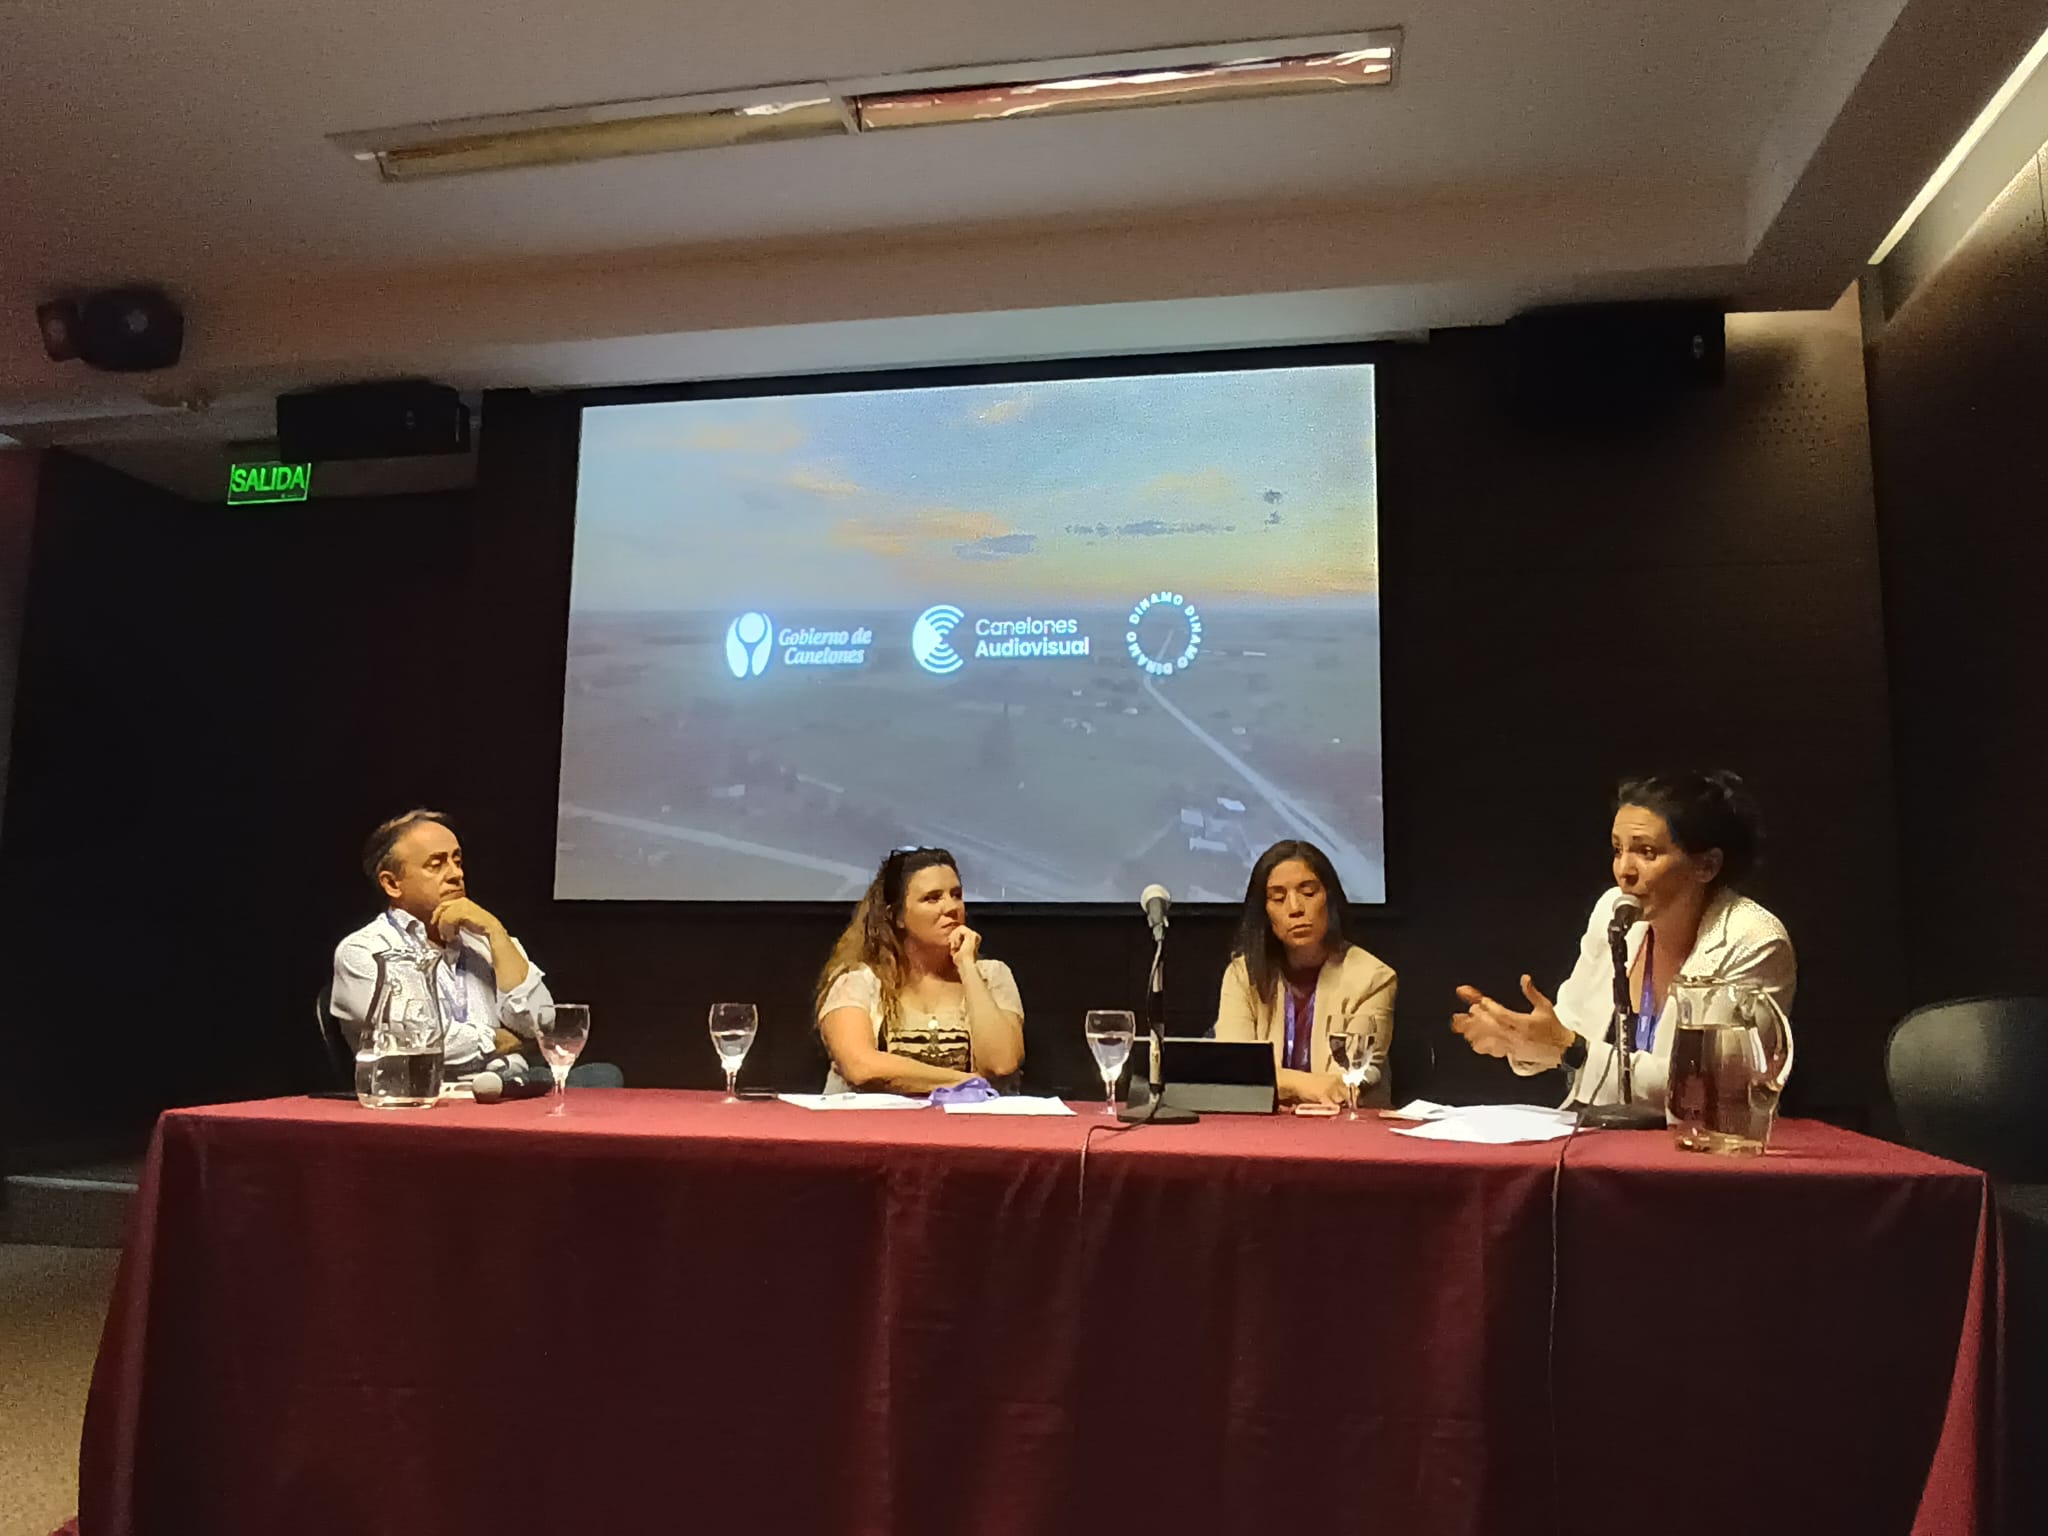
(252, 484)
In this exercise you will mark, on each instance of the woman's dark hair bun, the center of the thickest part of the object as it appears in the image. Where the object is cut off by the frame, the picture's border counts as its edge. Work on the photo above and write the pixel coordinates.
(1705, 809)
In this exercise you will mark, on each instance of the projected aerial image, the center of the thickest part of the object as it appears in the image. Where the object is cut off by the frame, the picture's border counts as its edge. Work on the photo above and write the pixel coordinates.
(1088, 634)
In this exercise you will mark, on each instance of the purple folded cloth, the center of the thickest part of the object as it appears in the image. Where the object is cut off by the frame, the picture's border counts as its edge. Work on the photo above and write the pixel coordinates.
(973, 1091)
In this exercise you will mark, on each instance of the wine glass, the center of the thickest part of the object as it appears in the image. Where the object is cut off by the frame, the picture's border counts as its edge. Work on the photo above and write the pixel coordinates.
(1351, 1050)
(561, 1031)
(732, 1035)
(1109, 1037)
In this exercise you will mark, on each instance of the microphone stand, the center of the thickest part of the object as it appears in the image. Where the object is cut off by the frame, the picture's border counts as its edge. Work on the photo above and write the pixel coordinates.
(1157, 1112)
(1626, 1115)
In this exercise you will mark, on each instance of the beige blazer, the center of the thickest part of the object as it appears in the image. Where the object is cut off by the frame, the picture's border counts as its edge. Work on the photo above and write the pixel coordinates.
(1356, 984)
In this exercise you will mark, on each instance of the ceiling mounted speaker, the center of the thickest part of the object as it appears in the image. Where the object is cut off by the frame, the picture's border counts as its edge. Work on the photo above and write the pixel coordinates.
(402, 419)
(119, 330)
(1595, 365)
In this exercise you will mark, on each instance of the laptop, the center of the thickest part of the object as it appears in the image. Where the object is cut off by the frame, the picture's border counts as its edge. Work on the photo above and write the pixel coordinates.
(1210, 1077)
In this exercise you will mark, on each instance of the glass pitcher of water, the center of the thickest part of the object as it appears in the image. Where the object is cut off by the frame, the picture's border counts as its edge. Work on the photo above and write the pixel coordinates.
(398, 1059)
(1730, 1058)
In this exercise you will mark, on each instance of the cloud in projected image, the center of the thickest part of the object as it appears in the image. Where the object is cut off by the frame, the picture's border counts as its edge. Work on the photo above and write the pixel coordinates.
(1003, 546)
(895, 537)
(821, 482)
(999, 413)
(1150, 528)
(1213, 486)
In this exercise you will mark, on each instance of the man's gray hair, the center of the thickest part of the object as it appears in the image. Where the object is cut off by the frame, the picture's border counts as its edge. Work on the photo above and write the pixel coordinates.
(380, 852)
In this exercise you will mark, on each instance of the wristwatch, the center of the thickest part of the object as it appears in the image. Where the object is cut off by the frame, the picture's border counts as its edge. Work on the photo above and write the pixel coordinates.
(1575, 1053)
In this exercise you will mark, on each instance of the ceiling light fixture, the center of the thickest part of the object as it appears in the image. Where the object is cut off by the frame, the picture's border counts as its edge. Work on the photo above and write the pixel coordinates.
(580, 134)
(994, 93)
(1944, 172)
(1232, 80)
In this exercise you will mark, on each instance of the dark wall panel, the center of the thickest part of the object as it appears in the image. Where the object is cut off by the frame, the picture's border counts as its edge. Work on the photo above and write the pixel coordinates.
(1958, 382)
(1571, 608)
(18, 468)
(210, 700)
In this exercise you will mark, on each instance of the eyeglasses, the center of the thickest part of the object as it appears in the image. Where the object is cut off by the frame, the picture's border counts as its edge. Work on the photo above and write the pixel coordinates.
(904, 852)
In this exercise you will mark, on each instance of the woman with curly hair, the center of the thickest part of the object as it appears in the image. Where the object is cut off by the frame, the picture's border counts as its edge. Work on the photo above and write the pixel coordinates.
(906, 1004)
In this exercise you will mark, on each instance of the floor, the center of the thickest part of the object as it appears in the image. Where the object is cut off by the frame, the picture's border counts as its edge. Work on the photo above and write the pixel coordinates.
(52, 1301)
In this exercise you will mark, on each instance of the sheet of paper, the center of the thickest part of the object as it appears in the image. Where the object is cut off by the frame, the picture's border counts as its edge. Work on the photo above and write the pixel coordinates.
(1527, 1111)
(1014, 1104)
(852, 1101)
(1422, 1109)
(1495, 1125)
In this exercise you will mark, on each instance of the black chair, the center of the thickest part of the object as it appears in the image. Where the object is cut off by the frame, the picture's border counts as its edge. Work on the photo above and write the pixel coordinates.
(1970, 1081)
(337, 1057)
(1411, 1058)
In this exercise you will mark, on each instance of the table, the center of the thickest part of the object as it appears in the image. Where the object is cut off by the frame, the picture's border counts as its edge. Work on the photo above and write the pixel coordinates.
(666, 1313)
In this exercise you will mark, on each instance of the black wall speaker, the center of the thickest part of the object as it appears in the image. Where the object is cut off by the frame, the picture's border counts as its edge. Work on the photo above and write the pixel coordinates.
(121, 330)
(1589, 364)
(398, 420)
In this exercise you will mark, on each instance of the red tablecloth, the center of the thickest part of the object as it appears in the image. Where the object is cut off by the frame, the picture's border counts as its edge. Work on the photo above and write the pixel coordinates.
(664, 1313)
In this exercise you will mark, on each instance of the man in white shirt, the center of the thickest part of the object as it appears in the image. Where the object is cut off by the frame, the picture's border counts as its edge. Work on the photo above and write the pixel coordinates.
(491, 994)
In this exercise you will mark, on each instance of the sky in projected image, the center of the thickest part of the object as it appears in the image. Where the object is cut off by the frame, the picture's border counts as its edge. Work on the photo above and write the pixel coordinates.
(1234, 485)
(1159, 597)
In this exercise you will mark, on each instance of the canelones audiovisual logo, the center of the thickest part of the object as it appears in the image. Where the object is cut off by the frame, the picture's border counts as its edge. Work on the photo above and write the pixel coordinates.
(930, 638)
(1022, 637)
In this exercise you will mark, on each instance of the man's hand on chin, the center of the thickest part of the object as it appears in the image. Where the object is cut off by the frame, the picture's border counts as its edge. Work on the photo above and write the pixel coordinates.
(459, 912)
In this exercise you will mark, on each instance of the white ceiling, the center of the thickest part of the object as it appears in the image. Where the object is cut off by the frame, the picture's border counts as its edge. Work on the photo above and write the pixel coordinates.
(1528, 151)
(195, 146)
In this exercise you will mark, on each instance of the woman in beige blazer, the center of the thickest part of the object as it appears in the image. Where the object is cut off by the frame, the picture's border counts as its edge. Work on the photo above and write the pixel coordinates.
(1295, 974)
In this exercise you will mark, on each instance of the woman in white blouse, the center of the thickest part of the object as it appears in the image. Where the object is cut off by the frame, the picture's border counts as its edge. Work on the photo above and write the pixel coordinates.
(906, 1004)
(1681, 844)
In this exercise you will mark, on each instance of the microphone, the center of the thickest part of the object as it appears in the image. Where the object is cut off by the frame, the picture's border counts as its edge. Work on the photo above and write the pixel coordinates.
(1156, 900)
(511, 1083)
(1624, 1114)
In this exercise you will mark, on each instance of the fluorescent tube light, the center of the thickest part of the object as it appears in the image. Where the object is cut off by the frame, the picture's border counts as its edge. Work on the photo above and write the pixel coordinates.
(614, 139)
(1235, 80)
(614, 130)
(1968, 142)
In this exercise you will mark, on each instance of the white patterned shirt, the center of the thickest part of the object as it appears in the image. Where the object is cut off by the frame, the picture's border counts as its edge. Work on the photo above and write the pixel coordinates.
(471, 1003)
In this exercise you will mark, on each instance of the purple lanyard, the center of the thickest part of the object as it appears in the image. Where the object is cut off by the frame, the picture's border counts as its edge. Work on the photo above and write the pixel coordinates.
(1301, 1028)
(1646, 1010)
(456, 1004)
